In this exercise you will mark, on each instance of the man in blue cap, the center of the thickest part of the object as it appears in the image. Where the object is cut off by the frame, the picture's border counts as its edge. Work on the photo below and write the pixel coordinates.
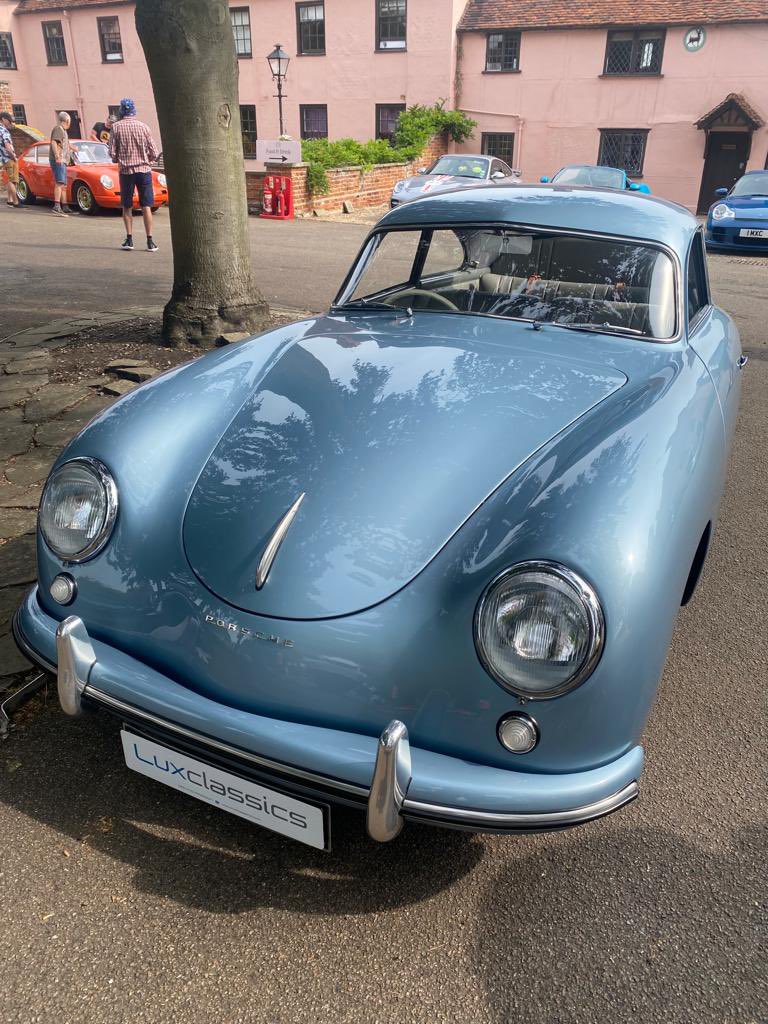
(133, 149)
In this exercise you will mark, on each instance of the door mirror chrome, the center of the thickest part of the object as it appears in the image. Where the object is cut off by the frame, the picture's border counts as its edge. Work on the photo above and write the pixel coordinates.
(544, 179)
(721, 191)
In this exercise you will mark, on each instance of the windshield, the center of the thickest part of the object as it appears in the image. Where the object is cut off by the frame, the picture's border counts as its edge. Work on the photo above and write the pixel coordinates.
(520, 274)
(598, 177)
(460, 166)
(90, 153)
(751, 185)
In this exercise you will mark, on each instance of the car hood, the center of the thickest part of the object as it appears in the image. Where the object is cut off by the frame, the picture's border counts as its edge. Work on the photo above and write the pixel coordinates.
(429, 184)
(749, 207)
(394, 434)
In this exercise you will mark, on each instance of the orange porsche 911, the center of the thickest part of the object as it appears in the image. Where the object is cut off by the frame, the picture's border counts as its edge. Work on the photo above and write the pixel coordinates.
(93, 181)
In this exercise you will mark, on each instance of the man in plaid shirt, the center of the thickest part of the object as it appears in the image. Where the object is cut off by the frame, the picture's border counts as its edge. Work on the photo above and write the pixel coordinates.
(133, 149)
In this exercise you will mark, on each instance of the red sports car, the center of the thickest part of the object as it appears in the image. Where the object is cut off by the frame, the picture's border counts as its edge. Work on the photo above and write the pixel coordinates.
(92, 179)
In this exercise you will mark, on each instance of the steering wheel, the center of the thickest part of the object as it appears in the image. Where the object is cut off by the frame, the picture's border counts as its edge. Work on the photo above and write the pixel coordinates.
(436, 296)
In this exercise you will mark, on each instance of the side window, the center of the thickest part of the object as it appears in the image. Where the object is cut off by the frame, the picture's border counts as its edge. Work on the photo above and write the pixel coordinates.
(444, 256)
(698, 296)
(506, 170)
(496, 167)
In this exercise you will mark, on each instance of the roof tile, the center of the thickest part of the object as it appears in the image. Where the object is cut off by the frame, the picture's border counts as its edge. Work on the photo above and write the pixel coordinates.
(484, 15)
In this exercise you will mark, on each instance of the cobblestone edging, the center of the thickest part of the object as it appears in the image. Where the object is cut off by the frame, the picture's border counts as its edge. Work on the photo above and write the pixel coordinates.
(37, 419)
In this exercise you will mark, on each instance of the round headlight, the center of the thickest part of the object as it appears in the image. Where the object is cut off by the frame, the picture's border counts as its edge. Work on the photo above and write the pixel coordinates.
(106, 181)
(539, 629)
(162, 179)
(722, 212)
(78, 509)
(399, 186)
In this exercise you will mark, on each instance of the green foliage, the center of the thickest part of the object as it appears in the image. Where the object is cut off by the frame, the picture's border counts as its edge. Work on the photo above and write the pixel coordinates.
(415, 128)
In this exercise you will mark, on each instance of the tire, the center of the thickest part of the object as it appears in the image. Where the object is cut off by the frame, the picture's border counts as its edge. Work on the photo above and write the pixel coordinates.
(84, 198)
(26, 196)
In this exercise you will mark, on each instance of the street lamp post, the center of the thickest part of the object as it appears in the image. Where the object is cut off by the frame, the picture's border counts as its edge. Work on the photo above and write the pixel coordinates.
(278, 62)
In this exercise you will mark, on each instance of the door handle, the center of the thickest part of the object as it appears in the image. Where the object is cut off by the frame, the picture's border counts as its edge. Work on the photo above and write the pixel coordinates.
(743, 360)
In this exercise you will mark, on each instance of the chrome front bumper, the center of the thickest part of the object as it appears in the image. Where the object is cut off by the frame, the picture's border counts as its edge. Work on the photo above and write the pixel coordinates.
(386, 799)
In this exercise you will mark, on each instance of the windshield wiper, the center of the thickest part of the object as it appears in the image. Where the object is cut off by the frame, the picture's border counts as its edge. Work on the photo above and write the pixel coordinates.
(594, 328)
(371, 307)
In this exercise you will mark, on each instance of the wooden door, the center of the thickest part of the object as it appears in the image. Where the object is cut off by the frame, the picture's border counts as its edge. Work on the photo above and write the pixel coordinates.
(724, 164)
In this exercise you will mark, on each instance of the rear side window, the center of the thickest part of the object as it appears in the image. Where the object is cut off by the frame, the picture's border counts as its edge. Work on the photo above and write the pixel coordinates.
(698, 295)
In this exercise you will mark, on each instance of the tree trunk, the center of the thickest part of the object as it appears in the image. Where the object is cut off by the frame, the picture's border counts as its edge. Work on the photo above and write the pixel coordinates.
(190, 53)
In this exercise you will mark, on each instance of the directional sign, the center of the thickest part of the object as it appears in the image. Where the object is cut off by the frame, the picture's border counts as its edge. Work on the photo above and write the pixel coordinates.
(278, 151)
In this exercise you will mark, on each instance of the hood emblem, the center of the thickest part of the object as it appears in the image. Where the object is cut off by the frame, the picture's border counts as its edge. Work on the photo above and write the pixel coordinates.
(274, 542)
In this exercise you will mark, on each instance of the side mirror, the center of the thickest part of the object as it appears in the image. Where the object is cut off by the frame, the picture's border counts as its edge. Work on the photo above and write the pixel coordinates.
(422, 170)
(721, 191)
(544, 179)
(633, 186)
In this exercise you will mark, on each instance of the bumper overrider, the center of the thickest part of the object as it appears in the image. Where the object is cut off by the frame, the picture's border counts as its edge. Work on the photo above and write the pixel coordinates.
(387, 777)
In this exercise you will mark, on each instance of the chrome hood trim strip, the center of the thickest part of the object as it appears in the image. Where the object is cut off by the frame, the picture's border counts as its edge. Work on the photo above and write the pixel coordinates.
(277, 538)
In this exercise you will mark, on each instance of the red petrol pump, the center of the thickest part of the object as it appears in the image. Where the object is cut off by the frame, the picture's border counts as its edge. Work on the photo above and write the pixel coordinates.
(277, 198)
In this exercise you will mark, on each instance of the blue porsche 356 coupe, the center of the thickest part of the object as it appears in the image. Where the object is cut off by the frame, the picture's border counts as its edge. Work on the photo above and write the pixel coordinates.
(423, 554)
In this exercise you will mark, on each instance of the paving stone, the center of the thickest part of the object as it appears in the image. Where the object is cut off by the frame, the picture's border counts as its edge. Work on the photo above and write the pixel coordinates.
(20, 497)
(11, 396)
(16, 521)
(231, 338)
(10, 599)
(56, 434)
(18, 561)
(26, 366)
(31, 353)
(120, 387)
(52, 401)
(15, 438)
(137, 373)
(85, 411)
(28, 469)
(30, 382)
(96, 382)
(118, 364)
(11, 658)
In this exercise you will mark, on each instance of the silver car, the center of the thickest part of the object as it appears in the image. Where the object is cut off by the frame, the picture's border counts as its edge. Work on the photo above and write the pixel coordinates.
(455, 170)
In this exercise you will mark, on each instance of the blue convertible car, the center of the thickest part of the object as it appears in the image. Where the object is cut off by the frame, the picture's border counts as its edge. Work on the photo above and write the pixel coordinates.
(738, 222)
(596, 176)
(421, 555)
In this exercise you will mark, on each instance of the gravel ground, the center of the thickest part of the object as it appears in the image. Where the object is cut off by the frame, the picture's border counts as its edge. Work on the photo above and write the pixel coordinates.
(126, 901)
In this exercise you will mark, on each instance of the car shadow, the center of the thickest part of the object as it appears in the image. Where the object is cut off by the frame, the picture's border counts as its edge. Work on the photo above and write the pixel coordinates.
(624, 922)
(70, 775)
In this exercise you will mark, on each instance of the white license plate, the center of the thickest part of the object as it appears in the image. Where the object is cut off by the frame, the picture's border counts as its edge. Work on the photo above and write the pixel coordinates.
(256, 803)
(753, 233)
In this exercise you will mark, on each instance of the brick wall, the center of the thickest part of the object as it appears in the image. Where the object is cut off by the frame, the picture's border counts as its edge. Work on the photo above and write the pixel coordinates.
(6, 100)
(359, 187)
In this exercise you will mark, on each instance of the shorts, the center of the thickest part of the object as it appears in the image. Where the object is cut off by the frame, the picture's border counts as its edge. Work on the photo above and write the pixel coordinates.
(141, 181)
(59, 172)
(11, 170)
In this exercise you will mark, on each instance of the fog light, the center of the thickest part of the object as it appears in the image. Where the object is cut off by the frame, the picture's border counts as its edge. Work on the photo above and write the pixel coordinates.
(63, 589)
(518, 733)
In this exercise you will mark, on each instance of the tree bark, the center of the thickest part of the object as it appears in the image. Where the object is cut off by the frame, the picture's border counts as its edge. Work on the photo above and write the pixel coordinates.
(190, 53)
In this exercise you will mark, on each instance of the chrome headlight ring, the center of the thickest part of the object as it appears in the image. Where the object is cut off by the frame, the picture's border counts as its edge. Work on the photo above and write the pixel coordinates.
(101, 474)
(570, 586)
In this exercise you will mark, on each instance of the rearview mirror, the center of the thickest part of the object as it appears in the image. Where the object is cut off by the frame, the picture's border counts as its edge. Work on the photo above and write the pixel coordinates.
(721, 191)
(544, 179)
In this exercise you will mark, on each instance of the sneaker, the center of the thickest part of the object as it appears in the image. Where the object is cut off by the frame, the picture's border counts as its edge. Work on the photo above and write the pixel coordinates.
(127, 244)
(58, 212)
(151, 246)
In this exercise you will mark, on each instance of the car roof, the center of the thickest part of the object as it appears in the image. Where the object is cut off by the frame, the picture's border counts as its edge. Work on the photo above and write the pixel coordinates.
(596, 167)
(574, 207)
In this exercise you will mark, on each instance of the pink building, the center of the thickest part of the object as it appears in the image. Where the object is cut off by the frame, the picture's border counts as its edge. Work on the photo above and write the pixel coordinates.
(675, 91)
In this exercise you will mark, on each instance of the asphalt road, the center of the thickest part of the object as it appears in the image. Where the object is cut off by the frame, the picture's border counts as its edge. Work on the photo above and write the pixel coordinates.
(125, 901)
(52, 268)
